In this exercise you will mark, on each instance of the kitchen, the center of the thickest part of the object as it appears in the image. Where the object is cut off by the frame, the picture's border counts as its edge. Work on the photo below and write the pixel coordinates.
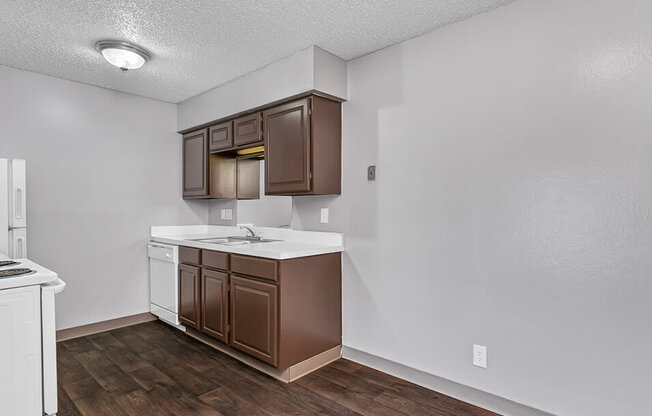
(507, 207)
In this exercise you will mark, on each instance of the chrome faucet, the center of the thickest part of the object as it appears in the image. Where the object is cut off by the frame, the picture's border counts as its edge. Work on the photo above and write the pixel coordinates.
(249, 231)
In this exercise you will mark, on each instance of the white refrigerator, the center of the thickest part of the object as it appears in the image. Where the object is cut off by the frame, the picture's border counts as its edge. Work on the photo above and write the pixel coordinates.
(13, 209)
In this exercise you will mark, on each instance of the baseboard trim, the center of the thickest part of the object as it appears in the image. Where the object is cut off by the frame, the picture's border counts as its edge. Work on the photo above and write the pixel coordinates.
(450, 388)
(82, 331)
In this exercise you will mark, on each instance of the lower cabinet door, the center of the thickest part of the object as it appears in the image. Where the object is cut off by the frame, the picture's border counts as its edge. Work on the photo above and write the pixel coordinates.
(189, 291)
(214, 301)
(254, 326)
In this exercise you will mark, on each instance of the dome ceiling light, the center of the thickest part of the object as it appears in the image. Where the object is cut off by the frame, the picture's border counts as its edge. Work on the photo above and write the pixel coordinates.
(122, 54)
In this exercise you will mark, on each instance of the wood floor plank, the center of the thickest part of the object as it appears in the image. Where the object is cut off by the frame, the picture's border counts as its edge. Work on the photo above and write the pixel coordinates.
(129, 336)
(434, 401)
(81, 387)
(139, 403)
(106, 373)
(78, 345)
(228, 402)
(150, 377)
(345, 365)
(153, 369)
(182, 403)
(174, 367)
(254, 392)
(104, 341)
(292, 393)
(360, 402)
(66, 405)
(102, 403)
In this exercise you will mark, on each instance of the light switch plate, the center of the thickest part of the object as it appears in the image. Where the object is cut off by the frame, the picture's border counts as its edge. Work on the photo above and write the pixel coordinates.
(371, 173)
(480, 356)
(222, 214)
(324, 216)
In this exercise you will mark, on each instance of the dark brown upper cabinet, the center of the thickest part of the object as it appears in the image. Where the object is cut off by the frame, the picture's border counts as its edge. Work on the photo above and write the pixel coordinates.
(220, 136)
(303, 142)
(195, 164)
(247, 130)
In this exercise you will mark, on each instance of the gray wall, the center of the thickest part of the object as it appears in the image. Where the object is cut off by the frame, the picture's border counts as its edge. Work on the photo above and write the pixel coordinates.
(266, 211)
(102, 167)
(512, 206)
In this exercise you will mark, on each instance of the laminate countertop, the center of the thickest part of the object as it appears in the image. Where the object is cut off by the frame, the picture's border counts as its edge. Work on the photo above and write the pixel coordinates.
(291, 244)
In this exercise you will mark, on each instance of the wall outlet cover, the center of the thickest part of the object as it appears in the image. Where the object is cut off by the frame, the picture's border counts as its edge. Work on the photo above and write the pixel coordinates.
(480, 356)
(229, 214)
(324, 216)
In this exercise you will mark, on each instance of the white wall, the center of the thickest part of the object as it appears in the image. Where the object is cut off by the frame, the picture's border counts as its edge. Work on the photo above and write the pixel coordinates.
(306, 70)
(512, 205)
(102, 167)
(266, 211)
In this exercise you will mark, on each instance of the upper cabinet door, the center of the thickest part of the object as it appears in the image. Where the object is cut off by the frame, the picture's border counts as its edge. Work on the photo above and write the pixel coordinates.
(221, 136)
(195, 164)
(287, 148)
(247, 130)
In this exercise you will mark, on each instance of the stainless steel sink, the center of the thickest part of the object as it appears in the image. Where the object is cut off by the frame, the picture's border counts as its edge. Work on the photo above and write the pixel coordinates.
(234, 240)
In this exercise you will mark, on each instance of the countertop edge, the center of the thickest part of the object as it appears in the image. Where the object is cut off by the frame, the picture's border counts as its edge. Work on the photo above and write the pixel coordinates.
(306, 251)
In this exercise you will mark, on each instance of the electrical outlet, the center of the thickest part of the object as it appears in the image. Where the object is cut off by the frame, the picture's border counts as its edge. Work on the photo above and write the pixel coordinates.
(324, 216)
(480, 356)
(228, 214)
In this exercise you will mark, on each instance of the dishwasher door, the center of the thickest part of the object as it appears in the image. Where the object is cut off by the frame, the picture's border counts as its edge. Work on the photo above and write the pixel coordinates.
(164, 281)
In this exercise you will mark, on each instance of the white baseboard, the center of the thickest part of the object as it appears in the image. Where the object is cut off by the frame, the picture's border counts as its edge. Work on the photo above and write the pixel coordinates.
(450, 388)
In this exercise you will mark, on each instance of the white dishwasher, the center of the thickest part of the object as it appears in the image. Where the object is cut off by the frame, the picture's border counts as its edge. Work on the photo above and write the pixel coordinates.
(164, 282)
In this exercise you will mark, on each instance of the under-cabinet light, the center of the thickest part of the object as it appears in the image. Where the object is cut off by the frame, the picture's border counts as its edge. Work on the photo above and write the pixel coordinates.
(251, 150)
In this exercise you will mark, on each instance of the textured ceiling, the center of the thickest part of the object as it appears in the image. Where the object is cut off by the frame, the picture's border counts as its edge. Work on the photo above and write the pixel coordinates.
(198, 45)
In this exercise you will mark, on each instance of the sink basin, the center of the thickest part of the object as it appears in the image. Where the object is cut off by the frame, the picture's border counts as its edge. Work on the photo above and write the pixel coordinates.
(234, 240)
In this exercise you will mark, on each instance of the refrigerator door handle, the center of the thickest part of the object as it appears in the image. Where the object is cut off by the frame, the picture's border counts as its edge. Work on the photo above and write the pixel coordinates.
(18, 210)
(19, 253)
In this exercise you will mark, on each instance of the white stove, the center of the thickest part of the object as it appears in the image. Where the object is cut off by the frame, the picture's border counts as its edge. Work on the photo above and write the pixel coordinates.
(28, 354)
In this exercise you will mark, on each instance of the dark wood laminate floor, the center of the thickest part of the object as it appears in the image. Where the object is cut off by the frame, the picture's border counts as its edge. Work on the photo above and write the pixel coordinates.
(152, 369)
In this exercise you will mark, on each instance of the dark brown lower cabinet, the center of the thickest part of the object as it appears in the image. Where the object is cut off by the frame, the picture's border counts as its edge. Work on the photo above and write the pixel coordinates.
(214, 301)
(189, 295)
(282, 312)
(254, 313)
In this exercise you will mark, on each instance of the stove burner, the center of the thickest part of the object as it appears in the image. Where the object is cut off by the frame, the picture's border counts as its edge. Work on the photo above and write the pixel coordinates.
(4, 263)
(15, 272)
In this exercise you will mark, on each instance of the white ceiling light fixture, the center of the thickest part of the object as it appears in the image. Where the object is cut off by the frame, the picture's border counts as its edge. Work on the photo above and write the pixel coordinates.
(124, 55)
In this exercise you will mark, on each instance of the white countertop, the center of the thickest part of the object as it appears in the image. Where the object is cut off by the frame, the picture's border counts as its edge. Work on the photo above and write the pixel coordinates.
(42, 275)
(293, 243)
